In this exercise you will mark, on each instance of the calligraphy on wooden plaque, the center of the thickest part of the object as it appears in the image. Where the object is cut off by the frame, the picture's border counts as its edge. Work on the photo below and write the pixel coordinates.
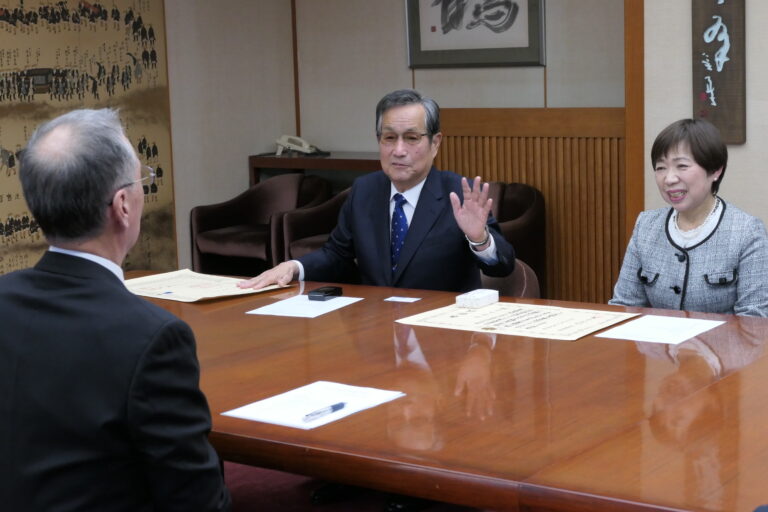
(719, 67)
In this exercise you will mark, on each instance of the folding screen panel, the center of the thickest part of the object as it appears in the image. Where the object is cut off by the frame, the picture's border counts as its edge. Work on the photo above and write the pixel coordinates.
(56, 56)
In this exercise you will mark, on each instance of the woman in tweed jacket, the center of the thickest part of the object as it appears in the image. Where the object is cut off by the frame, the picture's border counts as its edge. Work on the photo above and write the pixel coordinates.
(702, 254)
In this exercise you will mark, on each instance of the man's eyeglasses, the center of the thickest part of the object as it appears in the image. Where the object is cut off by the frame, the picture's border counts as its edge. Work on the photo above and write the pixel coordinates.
(147, 178)
(410, 138)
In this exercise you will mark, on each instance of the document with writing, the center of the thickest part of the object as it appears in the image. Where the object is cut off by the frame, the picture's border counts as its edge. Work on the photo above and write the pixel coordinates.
(187, 286)
(520, 320)
(314, 405)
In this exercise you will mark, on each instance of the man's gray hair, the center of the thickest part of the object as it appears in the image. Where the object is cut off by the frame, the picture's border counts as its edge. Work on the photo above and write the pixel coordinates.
(409, 97)
(68, 186)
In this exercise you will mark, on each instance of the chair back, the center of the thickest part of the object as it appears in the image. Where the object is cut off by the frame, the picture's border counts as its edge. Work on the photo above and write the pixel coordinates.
(313, 191)
(522, 282)
(519, 209)
(308, 229)
(238, 235)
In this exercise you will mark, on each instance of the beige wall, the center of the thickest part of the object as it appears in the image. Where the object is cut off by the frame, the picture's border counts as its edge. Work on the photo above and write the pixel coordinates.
(668, 97)
(232, 91)
(347, 65)
(231, 86)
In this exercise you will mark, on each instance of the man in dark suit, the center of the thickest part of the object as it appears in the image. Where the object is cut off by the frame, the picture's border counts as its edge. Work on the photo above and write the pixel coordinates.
(99, 396)
(449, 234)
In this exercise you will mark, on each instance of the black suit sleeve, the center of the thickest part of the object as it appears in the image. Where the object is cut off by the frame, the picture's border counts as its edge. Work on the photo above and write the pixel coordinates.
(170, 422)
(505, 254)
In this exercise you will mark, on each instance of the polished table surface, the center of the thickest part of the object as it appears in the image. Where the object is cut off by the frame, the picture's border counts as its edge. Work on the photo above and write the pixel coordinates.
(522, 424)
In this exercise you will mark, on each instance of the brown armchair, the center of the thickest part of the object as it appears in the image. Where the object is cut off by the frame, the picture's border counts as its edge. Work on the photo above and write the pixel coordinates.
(519, 208)
(522, 282)
(243, 236)
(307, 229)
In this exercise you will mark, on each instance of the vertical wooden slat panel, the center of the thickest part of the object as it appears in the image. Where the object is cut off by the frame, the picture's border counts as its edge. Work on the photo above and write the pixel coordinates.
(597, 199)
(623, 234)
(516, 156)
(608, 211)
(538, 160)
(591, 219)
(547, 185)
(505, 156)
(492, 166)
(504, 165)
(568, 229)
(602, 212)
(580, 174)
(472, 144)
(580, 230)
(558, 231)
(619, 190)
(613, 218)
(540, 175)
(483, 158)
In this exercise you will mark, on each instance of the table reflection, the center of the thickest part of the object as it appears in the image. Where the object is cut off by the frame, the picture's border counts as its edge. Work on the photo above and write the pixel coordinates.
(689, 413)
(412, 421)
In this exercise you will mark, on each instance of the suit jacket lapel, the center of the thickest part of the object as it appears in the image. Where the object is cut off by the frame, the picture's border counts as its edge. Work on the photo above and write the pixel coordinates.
(378, 214)
(427, 212)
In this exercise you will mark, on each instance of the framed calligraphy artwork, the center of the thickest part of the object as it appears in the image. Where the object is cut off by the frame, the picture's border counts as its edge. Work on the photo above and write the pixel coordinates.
(719, 66)
(473, 33)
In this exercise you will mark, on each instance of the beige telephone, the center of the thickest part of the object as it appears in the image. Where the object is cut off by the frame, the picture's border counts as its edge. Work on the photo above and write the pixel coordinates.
(293, 143)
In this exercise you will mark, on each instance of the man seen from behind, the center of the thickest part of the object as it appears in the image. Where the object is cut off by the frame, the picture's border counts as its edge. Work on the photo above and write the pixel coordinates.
(99, 390)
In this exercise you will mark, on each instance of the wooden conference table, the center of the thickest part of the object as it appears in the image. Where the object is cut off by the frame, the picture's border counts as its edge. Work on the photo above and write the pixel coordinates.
(587, 425)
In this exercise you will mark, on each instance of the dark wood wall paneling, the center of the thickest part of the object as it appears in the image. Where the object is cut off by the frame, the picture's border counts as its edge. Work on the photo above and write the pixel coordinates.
(576, 157)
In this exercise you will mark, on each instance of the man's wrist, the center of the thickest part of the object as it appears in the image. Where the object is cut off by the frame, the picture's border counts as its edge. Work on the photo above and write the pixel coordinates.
(484, 241)
(298, 270)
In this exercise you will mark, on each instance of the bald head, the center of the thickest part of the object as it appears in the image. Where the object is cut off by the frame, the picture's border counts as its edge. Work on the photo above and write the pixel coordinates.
(71, 167)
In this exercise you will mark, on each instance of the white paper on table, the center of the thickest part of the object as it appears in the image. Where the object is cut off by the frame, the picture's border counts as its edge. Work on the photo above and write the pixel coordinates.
(289, 408)
(661, 329)
(301, 306)
(395, 298)
(187, 286)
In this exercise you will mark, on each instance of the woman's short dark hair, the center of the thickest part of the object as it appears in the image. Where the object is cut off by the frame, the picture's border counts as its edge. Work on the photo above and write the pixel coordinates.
(409, 97)
(703, 140)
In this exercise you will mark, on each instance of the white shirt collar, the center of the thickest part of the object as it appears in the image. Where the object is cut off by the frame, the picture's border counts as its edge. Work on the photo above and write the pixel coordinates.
(411, 195)
(104, 262)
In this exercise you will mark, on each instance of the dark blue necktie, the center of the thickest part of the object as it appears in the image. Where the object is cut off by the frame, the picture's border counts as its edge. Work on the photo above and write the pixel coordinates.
(399, 229)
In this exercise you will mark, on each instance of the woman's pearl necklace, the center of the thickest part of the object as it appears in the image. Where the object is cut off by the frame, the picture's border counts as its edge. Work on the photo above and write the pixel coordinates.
(692, 233)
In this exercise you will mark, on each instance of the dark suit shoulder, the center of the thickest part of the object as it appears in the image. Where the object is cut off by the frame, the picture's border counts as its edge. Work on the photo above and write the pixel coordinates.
(65, 290)
(370, 180)
(439, 184)
(448, 176)
(147, 321)
(451, 180)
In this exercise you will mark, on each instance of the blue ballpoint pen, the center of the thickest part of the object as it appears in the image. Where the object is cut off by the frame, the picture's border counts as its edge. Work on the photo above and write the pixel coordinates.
(325, 411)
